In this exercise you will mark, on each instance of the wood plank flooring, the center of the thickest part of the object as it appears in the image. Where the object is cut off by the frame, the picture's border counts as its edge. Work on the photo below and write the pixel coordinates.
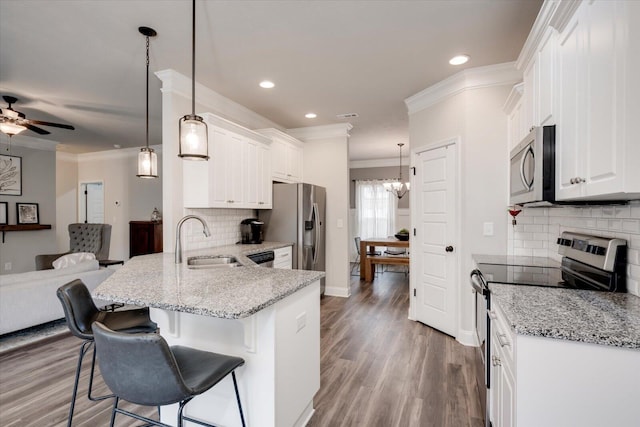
(377, 369)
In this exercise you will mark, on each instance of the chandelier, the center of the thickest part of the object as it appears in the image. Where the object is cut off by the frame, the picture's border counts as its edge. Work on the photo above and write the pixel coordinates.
(398, 188)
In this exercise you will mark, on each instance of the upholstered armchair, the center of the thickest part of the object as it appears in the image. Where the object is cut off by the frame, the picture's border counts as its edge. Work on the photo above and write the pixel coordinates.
(95, 238)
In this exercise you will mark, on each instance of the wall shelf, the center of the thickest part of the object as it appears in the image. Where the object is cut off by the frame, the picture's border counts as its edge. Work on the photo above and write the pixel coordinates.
(23, 227)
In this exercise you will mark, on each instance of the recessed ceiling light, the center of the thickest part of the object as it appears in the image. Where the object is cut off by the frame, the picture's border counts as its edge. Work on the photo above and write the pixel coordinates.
(311, 115)
(459, 59)
(266, 84)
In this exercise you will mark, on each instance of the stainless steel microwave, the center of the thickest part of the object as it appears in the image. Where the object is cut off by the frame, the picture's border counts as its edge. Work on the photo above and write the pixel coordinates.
(533, 168)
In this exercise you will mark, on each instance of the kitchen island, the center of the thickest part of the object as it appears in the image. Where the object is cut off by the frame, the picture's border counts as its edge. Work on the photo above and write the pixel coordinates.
(269, 317)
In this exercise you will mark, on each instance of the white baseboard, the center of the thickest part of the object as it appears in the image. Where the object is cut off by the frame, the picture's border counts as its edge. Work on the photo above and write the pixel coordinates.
(337, 292)
(306, 416)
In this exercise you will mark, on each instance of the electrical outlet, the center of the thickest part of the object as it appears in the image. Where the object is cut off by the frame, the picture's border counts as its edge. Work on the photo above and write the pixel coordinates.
(301, 321)
(488, 229)
(7, 266)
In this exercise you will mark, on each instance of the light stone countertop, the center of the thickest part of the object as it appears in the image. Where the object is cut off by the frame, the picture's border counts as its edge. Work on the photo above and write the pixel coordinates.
(232, 293)
(605, 318)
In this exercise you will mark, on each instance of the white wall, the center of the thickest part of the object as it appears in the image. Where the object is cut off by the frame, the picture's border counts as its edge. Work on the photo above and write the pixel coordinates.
(66, 197)
(326, 163)
(126, 197)
(476, 117)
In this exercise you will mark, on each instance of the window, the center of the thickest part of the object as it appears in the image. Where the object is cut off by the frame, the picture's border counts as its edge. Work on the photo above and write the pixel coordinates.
(375, 209)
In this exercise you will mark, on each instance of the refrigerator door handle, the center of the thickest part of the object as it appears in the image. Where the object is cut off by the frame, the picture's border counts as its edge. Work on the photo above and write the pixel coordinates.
(316, 225)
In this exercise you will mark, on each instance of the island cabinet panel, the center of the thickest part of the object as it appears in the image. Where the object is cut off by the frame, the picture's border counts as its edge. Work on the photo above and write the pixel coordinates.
(281, 348)
(237, 174)
(145, 237)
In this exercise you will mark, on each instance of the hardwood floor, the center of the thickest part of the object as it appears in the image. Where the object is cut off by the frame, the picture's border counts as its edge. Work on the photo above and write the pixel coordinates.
(377, 369)
(380, 369)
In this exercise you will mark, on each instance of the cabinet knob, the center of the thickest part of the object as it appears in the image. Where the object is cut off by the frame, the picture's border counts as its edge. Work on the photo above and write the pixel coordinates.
(449, 249)
(579, 180)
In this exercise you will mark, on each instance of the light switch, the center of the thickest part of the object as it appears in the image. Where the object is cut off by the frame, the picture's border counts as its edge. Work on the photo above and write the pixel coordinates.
(488, 229)
(340, 223)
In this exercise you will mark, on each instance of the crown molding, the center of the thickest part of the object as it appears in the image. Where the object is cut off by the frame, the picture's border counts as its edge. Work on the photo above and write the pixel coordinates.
(276, 133)
(513, 98)
(234, 127)
(321, 132)
(174, 82)
(472, 78)
(121, 153)
(378, 163)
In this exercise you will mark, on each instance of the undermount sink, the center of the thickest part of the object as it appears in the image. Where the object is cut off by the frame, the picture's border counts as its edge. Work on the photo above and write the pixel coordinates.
(213, 261)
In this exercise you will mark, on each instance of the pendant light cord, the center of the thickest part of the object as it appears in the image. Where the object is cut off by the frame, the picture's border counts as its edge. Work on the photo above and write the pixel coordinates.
(147, 125)
(193, 59)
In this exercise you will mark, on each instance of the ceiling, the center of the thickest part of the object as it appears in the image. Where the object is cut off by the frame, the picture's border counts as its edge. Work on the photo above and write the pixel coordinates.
(82, 62)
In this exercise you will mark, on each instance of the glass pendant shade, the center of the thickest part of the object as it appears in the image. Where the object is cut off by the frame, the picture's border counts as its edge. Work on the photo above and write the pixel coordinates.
(147, 163)
(11, 128)
(194, 144)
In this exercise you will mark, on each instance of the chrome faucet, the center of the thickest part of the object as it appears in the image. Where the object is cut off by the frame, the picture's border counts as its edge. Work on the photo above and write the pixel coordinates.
(205, 230)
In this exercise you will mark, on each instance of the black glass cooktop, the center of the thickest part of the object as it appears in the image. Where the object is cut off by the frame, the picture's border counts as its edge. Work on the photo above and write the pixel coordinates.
(522, 275)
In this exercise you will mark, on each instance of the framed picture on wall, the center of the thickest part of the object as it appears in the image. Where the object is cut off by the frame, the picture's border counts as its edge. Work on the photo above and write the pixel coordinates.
(10, 175)
(4, 214)
(27, 213)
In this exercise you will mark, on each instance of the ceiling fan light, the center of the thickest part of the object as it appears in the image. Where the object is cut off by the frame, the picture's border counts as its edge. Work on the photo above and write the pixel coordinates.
(11, 128)
(194, 144)
(147, 163)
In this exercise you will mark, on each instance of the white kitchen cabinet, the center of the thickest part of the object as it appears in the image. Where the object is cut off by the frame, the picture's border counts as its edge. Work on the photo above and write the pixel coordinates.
(544, 81)
(503, 404)
(513, 110)
(528, 119)
(596, 148)
(283, 258)
(287, 156)
(538, 381)
(238, 173)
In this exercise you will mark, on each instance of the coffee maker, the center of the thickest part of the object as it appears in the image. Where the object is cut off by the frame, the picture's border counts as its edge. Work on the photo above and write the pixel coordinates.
(251, 231)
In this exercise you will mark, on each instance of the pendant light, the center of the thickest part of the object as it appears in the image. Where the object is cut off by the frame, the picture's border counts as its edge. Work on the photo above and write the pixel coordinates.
(194, 140)
(147, 158)
(398, 188)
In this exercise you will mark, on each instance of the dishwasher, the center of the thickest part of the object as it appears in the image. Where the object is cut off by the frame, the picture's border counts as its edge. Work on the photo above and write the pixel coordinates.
(263, 259)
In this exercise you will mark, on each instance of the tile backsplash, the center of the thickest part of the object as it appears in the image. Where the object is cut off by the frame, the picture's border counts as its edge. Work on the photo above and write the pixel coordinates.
(224, 225)
(537, 229)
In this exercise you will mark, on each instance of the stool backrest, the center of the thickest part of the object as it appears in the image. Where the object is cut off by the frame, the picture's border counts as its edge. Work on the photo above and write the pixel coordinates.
(79, 309)
(139, 368)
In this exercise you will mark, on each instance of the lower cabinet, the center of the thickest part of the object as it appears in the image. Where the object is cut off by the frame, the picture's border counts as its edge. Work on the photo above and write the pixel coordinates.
(537, 381)
(145, 237)
(283, 258)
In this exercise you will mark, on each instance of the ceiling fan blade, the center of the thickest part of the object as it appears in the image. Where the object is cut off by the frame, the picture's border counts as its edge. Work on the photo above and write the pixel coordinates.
(55, 125)
(36, 129)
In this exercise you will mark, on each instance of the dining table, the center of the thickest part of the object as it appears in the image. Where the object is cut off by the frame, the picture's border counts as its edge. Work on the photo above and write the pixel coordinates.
(367, 261)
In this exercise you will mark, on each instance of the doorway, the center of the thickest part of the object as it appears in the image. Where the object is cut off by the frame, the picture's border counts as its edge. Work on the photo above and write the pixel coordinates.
(434, 220)
(91, 202)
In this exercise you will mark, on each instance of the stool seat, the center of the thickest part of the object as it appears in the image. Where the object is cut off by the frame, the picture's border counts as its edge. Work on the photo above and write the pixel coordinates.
(201, 370)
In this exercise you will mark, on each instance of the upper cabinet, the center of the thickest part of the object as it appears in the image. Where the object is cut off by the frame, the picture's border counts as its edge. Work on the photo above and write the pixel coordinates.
(581, 75)
(238, 173)
(286, 152)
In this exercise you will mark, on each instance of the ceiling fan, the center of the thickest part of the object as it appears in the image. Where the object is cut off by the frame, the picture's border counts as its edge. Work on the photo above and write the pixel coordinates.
(13, 122)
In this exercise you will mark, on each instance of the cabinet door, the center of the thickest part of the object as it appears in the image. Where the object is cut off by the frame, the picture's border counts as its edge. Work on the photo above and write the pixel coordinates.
(507, 398)
(545, 81)
(570, 132)
(529, 98)
(236, 170)
(264, 177)
(603, 162)
(296, 163)
(280, 157)
(254, 169)
(217, 165)
(515, 127)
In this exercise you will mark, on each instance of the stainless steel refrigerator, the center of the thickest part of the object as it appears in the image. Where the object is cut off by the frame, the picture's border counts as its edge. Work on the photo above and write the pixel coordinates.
(298, 216)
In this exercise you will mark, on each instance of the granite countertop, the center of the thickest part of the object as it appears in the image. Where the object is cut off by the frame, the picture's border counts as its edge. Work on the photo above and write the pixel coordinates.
(604, 318)
(232, 293)
(529, 261)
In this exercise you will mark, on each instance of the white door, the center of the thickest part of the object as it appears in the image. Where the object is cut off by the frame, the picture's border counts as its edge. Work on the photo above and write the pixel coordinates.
(434, 244)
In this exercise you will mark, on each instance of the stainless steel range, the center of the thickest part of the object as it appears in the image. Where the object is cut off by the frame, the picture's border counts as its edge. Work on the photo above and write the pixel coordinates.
(588, 262)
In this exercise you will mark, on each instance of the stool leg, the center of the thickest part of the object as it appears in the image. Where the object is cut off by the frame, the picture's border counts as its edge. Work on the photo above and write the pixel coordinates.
(235, 386)
(93, 368)
(113, 411)
(83, 350)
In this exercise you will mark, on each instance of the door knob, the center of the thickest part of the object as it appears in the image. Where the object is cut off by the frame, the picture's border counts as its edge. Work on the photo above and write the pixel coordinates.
(449, 249)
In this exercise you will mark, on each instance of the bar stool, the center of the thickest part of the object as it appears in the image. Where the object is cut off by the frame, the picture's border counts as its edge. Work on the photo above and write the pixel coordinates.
(143, 369)
(80, 312)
